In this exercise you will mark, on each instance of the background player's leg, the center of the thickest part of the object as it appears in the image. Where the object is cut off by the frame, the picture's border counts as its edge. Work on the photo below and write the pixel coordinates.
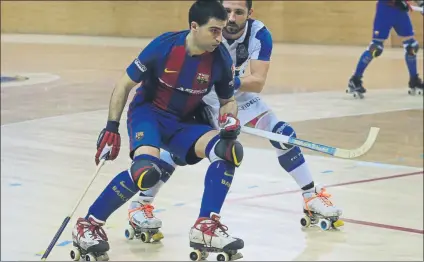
(293, 162)
(383, 22)
(404, 29)
(140, 208)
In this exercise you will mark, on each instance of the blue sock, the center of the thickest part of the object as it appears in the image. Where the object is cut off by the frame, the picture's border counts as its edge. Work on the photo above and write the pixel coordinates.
(363, 63)
(218, 180)
(411, 60)
(119, 191)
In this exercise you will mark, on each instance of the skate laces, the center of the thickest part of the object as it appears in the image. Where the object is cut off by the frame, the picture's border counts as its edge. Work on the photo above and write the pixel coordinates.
(94, 230)
(213, 225)
(147, 210)
(323, 195)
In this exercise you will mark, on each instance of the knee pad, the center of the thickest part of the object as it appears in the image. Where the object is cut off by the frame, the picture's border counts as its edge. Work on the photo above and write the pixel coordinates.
(411, 47)
(228, 150)
(146, 171)
(376, 48)
(283, 128)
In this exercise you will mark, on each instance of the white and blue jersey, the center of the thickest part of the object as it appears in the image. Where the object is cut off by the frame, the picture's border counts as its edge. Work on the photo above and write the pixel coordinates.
(254, 44)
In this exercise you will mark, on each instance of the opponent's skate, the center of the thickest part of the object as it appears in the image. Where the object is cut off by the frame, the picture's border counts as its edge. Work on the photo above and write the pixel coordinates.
(319, 211)
(209, 235)
(142, 223)
(90, 241)
(355, 87)
(415, 86)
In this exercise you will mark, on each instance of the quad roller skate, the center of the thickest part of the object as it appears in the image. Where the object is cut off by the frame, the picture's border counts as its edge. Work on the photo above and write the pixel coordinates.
(89, 241)
(143, 224)
(208, 235)
(415, 86)
(356, 88)
(319, 211)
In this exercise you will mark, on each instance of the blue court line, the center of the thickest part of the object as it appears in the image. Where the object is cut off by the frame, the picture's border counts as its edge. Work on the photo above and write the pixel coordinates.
(15, 184)
(327, 171)
(252, 187)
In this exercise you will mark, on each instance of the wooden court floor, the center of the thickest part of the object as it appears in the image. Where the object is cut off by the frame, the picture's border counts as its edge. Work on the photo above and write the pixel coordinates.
(49, 130)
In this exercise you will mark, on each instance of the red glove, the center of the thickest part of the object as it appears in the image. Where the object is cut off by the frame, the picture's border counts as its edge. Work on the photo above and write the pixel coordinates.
(109, 142)
(230, 126)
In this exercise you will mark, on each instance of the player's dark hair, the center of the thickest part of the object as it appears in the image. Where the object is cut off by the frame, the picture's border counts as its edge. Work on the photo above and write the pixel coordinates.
(249, 3)
(203, 10)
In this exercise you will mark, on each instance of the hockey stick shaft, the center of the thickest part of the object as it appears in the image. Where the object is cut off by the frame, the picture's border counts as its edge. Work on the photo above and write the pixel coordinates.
(68, 218)
(329, 150)
(416, 8)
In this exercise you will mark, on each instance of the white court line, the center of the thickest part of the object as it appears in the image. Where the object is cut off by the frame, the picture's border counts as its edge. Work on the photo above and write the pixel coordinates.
(323, 95)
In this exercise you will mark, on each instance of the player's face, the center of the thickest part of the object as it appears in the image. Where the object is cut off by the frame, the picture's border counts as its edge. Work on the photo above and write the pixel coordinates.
(237, 16)
(209, 36)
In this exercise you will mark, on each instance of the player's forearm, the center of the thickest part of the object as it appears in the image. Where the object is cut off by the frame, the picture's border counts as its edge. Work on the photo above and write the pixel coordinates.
(117, 103)
(252, 83)
(229, 107)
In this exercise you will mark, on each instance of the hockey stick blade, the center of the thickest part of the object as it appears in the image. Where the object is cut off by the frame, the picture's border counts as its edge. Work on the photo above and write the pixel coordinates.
(329, 150)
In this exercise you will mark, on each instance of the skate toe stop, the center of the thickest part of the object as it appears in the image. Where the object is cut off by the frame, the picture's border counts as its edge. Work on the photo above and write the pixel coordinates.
(338, 223)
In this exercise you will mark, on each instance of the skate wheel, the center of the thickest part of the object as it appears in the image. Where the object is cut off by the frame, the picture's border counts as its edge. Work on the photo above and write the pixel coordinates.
(90, 257)
(129, 233)
(196, 255)
(305, 221)
(157, 237)
(205, 254)
(75, 254)
(223, 257)
(145, 237)
(324, 224)
(338, 223)
(420, 92)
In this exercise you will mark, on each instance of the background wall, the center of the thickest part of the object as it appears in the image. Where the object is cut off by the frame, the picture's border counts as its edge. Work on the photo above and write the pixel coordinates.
(306, 22)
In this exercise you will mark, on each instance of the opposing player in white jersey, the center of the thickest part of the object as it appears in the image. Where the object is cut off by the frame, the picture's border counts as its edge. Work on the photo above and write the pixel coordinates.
(249, 42)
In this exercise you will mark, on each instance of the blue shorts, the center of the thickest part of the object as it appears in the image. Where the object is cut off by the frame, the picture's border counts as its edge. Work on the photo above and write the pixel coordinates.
(150, 126)
(388, 17)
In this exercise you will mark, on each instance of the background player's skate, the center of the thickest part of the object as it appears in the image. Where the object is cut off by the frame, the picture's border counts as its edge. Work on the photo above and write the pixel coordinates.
(209, 235)
(142, 223)
(89, 240)
(319, 210)
(415, 86)
(355, 87)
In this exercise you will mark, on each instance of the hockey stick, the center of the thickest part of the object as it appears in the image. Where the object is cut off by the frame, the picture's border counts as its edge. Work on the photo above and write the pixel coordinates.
(333, 151)
(68, 218)
(417, 8)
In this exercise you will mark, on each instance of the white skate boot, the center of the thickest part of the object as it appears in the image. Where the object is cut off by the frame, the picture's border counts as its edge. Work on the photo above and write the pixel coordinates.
(209, 235)
(142, 222)
(319, 210)
(90, 240)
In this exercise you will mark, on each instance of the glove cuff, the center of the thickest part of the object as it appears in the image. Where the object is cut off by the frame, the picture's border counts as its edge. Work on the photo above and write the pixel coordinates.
(237, 83)
(112, 126)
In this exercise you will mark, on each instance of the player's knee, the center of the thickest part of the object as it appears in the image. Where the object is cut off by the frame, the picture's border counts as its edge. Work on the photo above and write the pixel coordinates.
(411, 47)
(228, 150)
(146, 171)
(376, 48)
(283, 128)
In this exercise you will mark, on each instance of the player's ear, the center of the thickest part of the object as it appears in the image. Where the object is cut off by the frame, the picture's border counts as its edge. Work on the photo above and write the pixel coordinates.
(250, 13)
(194, 25)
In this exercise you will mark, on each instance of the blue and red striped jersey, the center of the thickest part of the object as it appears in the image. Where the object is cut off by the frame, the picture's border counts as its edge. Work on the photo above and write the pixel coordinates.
(176, 82)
